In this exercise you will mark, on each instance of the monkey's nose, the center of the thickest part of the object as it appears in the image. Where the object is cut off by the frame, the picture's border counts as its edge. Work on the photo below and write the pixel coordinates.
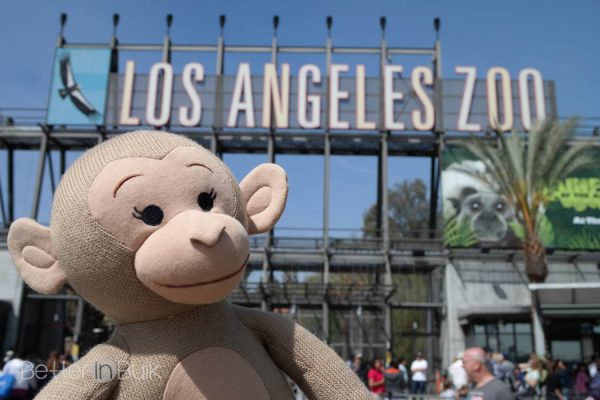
(205, 231)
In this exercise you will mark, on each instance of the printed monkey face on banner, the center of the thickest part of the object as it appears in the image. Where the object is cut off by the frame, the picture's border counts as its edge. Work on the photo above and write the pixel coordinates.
(476, 215)
(79, 87)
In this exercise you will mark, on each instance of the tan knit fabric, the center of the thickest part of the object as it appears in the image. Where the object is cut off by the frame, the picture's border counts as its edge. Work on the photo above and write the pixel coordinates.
(82, 380)
(316, 368)
(152, 335)
(268, 342)
(98, 267)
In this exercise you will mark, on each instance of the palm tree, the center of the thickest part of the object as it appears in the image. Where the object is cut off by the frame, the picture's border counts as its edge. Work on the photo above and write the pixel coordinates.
(525, 169)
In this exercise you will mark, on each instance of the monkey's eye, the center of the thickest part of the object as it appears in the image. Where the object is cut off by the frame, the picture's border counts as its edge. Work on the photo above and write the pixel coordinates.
(475, 206)
(499, 206)
(206, 200)
(151, 215)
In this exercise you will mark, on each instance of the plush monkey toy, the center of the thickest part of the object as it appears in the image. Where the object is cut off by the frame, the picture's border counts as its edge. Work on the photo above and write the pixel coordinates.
(152, 229)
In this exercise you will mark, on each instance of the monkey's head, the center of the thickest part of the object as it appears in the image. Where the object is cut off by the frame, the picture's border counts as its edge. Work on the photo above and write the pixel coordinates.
(487, 213)
(148, 225)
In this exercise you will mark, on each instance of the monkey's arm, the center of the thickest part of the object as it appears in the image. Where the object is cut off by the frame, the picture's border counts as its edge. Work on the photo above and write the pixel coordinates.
(89, 377)
(316, 368)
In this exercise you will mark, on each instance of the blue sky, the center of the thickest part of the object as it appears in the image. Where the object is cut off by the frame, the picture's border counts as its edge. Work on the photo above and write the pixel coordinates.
(560, 38)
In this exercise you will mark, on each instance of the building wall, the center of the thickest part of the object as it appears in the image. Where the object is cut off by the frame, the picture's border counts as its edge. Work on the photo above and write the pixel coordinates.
(11, 287)
(464, 295)
(488, 288)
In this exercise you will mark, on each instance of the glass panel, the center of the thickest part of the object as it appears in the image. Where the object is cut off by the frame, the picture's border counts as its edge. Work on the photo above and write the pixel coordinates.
(507, 344)
(493, 342)
(568, 350)
(524, 347)
(492, 335)
(479, 341)
(524, 327)
(479, 329)
(506, 327)
(492, 329)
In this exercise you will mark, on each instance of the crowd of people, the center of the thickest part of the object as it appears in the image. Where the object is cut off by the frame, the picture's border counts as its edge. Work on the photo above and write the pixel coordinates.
(394, 380)
(23, 375)
(481, 374)
(545, 377)
(475, 374)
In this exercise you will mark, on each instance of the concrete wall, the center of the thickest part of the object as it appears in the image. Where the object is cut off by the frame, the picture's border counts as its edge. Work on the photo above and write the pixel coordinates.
(11, 287)
(485, 287)
(470, 288)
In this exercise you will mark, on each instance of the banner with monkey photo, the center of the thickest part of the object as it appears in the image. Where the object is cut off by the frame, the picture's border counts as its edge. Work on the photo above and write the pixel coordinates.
(475, 215)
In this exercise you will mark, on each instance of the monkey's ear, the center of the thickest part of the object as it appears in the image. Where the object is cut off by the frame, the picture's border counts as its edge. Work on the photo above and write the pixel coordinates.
(30, 247)
(265, 191)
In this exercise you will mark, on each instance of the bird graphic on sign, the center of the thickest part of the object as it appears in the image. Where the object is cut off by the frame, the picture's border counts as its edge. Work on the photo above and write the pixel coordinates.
(73, 90)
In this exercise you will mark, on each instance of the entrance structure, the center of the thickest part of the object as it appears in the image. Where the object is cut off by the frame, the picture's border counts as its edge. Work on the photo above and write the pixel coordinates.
(370, 294)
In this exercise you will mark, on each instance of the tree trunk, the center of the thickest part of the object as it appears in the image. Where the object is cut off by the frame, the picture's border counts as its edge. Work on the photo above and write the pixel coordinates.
(536, 265)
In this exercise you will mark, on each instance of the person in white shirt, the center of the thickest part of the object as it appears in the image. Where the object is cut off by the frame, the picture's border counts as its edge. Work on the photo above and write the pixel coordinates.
(418, 368)
(592, 369)
(458, 373)
(24, 375)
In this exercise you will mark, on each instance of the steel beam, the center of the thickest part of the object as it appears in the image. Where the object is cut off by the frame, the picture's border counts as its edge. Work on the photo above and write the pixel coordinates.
(326, 177)
(10, 160)
(39, 180)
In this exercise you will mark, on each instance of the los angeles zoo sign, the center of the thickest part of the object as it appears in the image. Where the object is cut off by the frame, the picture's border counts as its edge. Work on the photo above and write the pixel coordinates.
(342, 98)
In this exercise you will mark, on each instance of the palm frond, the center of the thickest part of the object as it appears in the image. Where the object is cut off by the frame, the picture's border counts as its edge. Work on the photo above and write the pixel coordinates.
(555, 141)
(536, 141)
(569, 161)
(458, 233)
(525, 170)
(497, 175)
(544, 132)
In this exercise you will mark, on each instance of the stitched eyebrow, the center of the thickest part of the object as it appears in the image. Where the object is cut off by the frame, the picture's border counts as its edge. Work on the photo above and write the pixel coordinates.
(199, 165)
(122, 182)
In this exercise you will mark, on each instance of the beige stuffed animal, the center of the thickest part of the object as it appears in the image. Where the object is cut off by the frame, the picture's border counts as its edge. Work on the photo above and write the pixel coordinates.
(152, 229)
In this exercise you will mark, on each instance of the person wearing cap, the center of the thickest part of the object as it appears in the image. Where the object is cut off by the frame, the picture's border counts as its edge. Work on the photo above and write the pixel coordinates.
(418, 369)
(487, 387)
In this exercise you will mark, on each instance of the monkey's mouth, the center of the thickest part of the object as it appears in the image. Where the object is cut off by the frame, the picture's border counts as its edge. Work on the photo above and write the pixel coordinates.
(223, 278)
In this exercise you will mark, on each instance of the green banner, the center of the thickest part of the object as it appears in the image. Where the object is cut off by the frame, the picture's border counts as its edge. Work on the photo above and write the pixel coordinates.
(475, 215)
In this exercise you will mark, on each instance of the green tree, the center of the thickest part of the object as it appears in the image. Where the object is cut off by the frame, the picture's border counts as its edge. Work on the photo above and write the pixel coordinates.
(408, 216)
(525, 169)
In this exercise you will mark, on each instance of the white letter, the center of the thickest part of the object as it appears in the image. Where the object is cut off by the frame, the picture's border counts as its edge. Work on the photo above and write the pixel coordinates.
(361, 107)
(187, 118)
(492, 94)
(538, 93)
(426, 123)
(164, 112)
(465, 105)
(304, 99)
(126, 118)
(335, 95)
(281, 101)
(243, 84)
(390, 97)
